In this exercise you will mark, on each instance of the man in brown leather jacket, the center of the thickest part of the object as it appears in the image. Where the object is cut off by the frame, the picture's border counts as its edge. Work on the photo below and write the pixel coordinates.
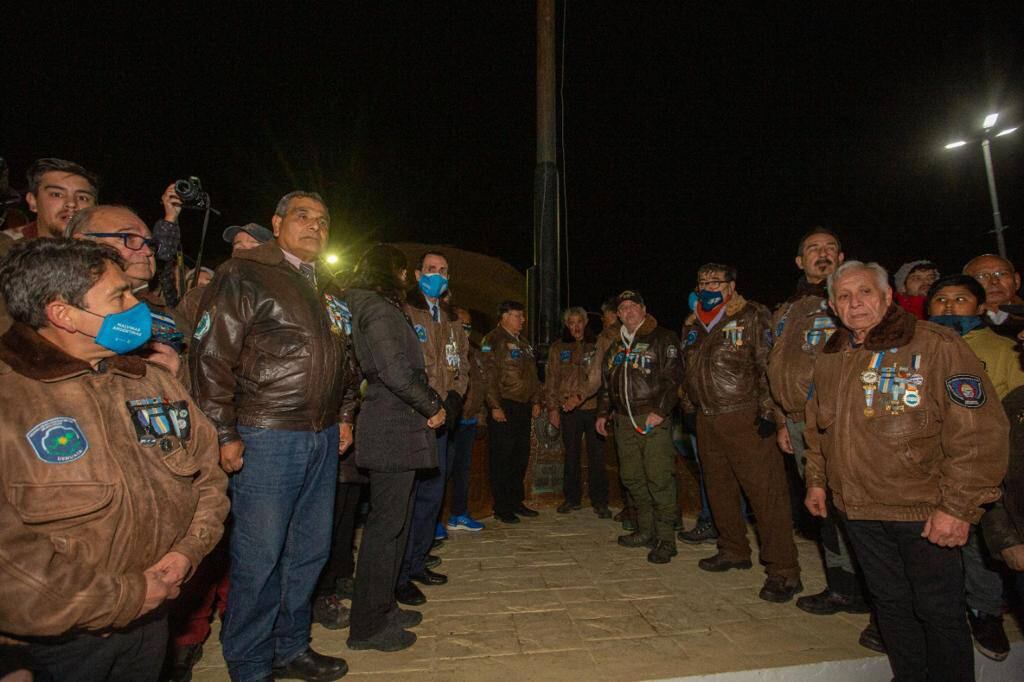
(725, 347)
(271, 368)
(112, 490)
(639, 391)
(801, 327)
(445, 349)
(905, 429)
(571, 399)
(513, 398)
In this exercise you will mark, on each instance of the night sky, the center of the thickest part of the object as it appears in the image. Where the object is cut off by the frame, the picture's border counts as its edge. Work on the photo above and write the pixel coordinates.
(691, 133)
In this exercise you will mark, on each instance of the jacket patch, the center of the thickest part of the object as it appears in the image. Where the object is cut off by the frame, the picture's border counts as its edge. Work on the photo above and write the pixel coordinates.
(338, 312)
(966, 390)
(203, 327)
(486, 348)
(515, 353)
(421, 333)
(155, 418)
(58, 440)
(565, 355)
(691, 338)
(671, 351)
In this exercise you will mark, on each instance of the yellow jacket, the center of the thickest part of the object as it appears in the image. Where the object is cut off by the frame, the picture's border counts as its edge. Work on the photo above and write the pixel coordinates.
(999, 356)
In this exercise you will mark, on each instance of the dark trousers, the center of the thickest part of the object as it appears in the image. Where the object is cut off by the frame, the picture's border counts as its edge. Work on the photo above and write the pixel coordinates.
(427, 498)
(737, 460)
(577, 426)
(461, 446)
(918, 593)
(341, 562)
(134, 653)
(509, 455)
(190, 614)
(381, 551)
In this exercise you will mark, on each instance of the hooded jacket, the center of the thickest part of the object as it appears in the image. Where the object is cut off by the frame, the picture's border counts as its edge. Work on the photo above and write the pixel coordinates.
(901, 458)
(94, 491)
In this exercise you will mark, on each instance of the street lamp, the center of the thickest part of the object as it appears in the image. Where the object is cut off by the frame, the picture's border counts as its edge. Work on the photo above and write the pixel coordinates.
(985, 138)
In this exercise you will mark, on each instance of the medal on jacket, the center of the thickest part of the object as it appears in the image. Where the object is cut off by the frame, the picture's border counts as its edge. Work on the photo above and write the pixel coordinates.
(733, 333)
(822, 327)
(155, 418)
(451, 352)
(869, 382)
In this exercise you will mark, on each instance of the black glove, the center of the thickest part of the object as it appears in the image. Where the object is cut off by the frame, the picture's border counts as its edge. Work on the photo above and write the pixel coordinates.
(765, 427)
(452, 409)
(690, 422)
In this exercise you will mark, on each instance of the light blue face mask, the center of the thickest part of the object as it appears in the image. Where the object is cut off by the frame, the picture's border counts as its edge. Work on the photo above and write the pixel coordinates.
(433, 284)
(125, 331)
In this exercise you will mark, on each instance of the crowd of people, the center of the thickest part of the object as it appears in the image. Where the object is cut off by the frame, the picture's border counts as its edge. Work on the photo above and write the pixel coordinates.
(138, 405)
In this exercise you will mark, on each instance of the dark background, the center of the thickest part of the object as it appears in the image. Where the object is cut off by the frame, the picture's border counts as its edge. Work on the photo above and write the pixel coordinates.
(690, 133)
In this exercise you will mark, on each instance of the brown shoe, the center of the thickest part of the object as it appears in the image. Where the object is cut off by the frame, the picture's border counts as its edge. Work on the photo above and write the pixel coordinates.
(780, 589)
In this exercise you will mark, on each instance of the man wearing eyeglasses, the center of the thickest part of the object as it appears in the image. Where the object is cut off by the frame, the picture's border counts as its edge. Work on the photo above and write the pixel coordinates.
(725, 350)
(1002, 287)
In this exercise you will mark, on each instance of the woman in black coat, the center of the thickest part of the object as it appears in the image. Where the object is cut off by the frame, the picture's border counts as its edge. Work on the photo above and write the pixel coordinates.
(394, 438)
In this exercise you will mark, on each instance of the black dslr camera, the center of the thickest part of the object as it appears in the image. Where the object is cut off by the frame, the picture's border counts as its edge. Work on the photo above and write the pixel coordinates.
(191, 193)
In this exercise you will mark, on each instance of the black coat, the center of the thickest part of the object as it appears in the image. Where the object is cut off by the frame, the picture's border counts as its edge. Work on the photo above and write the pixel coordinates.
(391, 432)
(1003, 524)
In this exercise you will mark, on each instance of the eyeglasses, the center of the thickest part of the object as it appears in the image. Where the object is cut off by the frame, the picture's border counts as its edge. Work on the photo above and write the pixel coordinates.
(712, 283)
(987, 276)
(132, 242)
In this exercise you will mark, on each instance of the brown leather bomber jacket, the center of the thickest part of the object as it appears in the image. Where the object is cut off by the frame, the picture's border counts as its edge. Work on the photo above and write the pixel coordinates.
(570, 364)
(643, 377)
(102, 472)
(270, 352)
(510, 366)
(934, 435)
(445, 344)
(725, 367)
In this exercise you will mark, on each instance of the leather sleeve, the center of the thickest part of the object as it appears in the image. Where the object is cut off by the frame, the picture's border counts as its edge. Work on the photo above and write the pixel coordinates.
(492, 371)
(461, 385)
(382, 327)
(671, 376)
(975, 441)
(1000, 531)
(352, 378)
(229, 300)
(814, 468)
(762, 346)
(45, 593)
(211, 483)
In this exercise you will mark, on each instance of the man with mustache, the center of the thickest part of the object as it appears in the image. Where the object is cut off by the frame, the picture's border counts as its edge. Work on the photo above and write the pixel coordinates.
(57, 189)
(1002, 286)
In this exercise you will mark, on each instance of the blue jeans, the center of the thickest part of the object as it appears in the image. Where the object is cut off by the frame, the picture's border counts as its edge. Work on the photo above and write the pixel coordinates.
(281, 503)
(428, 497)
(461, 463)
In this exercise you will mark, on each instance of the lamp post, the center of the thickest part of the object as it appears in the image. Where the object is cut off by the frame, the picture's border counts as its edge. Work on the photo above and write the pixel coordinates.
(986, 142)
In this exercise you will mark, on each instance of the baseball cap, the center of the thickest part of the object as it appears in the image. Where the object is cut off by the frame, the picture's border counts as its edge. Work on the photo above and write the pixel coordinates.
(257, 232)
(629, 295)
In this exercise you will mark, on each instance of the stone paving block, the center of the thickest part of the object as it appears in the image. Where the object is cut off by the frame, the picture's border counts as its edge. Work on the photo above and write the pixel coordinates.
(649, 588)
(547, 631)
(497, 562)
(478, 645)
(669, 616)
(526, 601)
(572, 595)
(540, 559)
(587, 610)
(459, 625)
(621, 627)
(638, 659)
(754, 637)
(565, 576)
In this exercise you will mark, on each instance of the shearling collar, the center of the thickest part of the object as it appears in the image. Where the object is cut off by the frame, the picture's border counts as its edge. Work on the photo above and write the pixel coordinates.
(646, 327)
(415, 298)
(33, 357)
(805, 288)
(896, 329)
(267, 253)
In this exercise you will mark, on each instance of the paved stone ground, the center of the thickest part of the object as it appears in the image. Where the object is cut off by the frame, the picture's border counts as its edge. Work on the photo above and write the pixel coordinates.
(554, 598)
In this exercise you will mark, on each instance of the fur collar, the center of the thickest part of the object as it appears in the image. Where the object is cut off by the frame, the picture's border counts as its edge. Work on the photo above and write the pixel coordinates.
(33, 357)
(895, 330)
(646, 327)
(415, 299)
(267, 253)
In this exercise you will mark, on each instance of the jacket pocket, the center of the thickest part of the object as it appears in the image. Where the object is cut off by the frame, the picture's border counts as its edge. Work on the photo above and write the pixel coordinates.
(180, 461)
(39, 503)
(900, 426)
(274, 355)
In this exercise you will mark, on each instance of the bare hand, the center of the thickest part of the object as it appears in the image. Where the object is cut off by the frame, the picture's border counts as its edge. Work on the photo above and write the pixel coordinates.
(498, 415)
(601, 426)
(815, 501)
(653, 421)
(171, 568)
(172, 204)
(1014, 557)
(345, 437)
(165, 356)
(945, 531)
(231, 456)
(782, 438)
(535, 412)
(555, 417)
(437, 420)
(571, 403)
(157, 592)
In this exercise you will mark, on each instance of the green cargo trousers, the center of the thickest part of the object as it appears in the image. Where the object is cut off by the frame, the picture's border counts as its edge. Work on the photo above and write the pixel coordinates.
(646, 465)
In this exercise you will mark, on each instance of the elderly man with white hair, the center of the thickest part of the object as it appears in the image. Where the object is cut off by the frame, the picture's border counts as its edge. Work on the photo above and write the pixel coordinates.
(906, 433)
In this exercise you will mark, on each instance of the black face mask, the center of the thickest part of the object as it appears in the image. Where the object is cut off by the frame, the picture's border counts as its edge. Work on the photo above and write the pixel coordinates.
(960, 323)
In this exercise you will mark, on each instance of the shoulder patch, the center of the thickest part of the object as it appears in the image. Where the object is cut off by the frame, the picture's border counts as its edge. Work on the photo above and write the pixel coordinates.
(565, 355)
(202, 327)
(58, 440)
(485, 348)
(421, 333)
(672, 351)
(691, 338)
(966, 390)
